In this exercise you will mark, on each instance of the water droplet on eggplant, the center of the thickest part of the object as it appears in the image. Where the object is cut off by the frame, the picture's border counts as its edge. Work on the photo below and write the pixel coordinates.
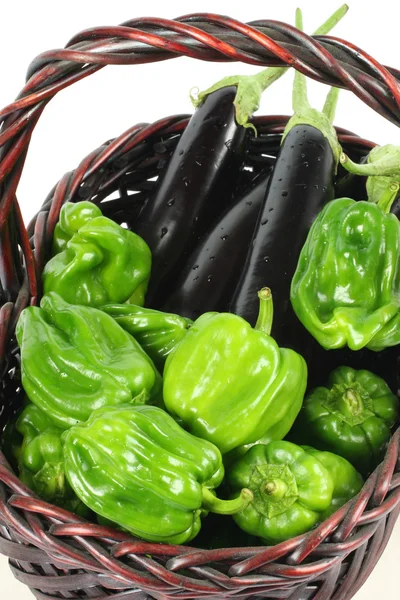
(164, 232)
(171, 202)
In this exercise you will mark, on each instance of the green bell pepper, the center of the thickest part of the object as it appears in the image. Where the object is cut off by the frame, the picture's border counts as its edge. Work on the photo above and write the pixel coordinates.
(35, 445)
(346, 288)
(135, 466)
(75, 359)
(347, 482)
(96, 261)
(157, 332)
(351, 416)
(294, 489)
(232, 384)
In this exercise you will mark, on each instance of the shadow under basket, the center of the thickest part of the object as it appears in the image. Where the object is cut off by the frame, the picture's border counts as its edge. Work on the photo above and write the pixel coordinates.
(56, 553)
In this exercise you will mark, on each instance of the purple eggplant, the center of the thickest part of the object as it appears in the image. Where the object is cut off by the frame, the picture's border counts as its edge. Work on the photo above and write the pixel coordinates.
(210, 274)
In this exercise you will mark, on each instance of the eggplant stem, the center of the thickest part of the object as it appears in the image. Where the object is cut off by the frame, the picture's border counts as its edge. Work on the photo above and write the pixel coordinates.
(332, 21)
(251, 87)
(330, 105)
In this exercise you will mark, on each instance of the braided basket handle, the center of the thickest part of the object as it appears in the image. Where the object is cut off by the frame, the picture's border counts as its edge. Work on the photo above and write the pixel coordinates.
(205, 36)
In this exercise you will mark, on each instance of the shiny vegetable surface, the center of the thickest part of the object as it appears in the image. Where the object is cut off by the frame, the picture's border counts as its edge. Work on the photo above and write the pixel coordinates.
(137, 467)
(34, 443)
(346, 288)
(197, 185)
(347, 482)
(158, 333)
(210, 274)
(294, 488)
(302, 183)
(351, 416)
(232, 384)
(95, 260)
(75, 359)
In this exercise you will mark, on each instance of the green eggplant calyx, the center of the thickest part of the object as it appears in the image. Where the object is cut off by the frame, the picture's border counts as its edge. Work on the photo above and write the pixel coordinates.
(352, 405)
(266, 311)
(248, 94)
(274, 488)
(304, 113)
(251, 87)
(226, 507)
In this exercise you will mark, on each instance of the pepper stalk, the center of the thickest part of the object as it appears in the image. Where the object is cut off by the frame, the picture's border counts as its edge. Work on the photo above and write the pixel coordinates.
(383, 174)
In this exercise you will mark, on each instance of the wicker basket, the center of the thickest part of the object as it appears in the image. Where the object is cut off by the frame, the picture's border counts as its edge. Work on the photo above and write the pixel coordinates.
(55, 553)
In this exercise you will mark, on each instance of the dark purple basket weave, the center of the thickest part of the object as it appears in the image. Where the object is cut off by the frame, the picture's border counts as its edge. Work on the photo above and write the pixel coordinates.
(55, 553)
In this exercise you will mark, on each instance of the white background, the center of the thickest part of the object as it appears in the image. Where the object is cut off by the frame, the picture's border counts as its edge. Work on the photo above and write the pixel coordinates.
(104, 105)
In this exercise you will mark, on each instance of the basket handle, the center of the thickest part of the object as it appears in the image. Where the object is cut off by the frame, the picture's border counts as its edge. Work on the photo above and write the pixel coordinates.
(204, 36)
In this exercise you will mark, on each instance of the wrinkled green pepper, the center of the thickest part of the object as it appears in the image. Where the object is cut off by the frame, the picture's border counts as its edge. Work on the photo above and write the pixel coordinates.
(135, 466)
(346, 289)
(95, 260)
(232, 384)
(347, 482)
(351, 416)
(157, 332)
(294, 489)
(75, 359)
(36, 447)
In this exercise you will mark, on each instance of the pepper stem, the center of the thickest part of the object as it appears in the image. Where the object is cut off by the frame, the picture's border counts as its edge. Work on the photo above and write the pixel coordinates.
(265, 312)
(276, 489)
(383, 172)
(251, 87)
(226, 507)
(350, 403)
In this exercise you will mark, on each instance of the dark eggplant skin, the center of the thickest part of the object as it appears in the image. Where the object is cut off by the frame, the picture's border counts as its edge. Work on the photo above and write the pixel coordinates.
(210, 274)
(301, 184)
(195, 187)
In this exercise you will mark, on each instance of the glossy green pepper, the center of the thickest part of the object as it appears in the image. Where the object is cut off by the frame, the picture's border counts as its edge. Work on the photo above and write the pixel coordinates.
(294, 489)
(351, 416)
(157, 332)
(346, 289)
(347, 482)
(232, 384)
(35, 445)
(96, 261)
(75, 359)
(135, 466)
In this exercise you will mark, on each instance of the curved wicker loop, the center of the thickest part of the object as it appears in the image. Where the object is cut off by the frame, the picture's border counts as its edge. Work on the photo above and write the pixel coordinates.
(54, 552)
